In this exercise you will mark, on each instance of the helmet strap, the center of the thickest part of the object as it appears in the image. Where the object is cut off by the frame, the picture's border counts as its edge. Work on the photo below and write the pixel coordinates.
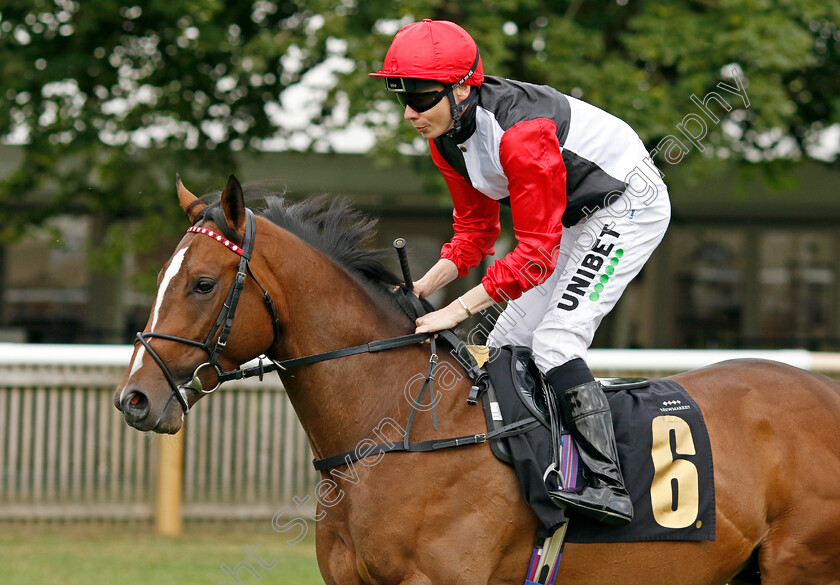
(458, 109)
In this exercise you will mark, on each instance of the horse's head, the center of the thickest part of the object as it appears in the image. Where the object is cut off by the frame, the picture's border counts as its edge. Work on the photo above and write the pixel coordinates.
(190, 336)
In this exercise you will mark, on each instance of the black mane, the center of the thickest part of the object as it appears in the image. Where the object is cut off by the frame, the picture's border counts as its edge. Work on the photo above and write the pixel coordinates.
(328, 224)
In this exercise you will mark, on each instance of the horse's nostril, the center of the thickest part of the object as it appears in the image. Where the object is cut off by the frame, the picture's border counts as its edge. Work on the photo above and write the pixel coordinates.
(135, 406)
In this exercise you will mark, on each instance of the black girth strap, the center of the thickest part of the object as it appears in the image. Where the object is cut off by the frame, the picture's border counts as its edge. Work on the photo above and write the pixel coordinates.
(348, 457)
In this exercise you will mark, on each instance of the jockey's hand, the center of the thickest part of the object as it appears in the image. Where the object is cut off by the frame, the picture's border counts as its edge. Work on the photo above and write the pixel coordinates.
(445, 318)
(421, 288)
(473, 301)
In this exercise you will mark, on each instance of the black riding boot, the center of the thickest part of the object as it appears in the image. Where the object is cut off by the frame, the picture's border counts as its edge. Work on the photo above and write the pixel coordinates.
(586, 410)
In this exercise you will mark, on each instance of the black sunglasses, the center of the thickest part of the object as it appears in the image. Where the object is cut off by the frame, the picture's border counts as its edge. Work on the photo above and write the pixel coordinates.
(420, 101)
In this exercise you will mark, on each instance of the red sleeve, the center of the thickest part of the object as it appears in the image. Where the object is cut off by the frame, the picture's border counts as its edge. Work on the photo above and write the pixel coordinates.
(475, 219)
(533, 162)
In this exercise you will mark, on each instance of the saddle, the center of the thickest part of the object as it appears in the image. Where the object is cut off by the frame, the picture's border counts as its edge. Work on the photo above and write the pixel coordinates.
(658, 427)
(529, 385)
(545, 458)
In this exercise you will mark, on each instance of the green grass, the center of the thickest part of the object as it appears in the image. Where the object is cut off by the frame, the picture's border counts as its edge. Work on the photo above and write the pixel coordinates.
(112, 554)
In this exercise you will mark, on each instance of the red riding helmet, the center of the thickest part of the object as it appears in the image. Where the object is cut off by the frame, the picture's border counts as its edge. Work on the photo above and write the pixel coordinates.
(435, 50)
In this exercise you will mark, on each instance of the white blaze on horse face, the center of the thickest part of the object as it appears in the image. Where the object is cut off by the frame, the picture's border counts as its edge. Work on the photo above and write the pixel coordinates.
(170, 273)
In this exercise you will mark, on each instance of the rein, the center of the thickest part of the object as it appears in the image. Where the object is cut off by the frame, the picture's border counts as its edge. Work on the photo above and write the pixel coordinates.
(276, 365)
(224, 323)
(411, 305)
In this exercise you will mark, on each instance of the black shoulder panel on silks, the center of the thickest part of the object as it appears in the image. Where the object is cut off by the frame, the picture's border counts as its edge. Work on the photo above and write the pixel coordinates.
(588, 186)
(452, 154)
(508, 103)
(512, 102)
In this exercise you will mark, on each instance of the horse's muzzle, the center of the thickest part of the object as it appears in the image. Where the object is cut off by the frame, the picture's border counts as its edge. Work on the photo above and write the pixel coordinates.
(135, 407)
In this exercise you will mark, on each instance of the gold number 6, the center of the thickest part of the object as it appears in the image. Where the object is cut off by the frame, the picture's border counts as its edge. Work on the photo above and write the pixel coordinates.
(668, 511)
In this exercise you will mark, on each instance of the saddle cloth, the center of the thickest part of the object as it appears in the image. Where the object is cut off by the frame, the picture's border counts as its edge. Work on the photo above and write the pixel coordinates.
(663, 446)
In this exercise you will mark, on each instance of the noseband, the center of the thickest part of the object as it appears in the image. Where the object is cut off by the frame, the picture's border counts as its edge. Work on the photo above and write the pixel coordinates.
(224, 322)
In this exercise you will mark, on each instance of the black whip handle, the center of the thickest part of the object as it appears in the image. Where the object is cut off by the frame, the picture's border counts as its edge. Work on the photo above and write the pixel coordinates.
(399, 246)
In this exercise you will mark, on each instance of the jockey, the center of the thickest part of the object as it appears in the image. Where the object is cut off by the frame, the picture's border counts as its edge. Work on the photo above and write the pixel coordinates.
(588, 210)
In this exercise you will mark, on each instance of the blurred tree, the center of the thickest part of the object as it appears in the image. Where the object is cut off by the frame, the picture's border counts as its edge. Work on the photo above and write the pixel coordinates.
(642, 61)
(110, 98)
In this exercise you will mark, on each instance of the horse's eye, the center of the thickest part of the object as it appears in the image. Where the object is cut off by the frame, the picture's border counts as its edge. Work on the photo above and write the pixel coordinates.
(204, 286)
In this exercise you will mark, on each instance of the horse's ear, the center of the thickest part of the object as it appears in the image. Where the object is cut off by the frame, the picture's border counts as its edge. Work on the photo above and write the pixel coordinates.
(233, 205)
(189, 202)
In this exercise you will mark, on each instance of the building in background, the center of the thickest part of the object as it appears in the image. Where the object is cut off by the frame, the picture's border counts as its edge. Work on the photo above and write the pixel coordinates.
(743, 265)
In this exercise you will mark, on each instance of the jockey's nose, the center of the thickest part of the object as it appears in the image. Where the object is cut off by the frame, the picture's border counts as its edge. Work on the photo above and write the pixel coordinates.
(135, 406)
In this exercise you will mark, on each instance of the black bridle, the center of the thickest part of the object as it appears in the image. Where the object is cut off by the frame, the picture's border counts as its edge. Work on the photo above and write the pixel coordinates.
(224, 322)
(411, 303)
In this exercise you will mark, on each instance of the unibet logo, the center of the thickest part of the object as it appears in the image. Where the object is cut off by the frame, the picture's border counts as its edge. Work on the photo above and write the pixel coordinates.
(590, 268)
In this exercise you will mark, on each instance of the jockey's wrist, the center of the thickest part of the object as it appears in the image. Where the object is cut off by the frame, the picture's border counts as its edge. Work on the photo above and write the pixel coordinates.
(438, 276)
(475, 300)
(466, 308)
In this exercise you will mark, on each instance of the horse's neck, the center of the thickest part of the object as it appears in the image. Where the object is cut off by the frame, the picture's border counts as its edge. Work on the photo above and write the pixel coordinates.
(327, 309)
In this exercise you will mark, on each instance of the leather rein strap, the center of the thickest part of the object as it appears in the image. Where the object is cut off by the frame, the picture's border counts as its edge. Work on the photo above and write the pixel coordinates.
(411, 304)
(277, 365)
(480, 380)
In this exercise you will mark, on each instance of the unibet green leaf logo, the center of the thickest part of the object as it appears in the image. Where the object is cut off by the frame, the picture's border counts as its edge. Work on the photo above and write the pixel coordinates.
(605, 278)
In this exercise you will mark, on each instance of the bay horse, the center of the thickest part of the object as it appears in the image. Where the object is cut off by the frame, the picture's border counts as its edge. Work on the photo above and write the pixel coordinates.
(456, 516)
